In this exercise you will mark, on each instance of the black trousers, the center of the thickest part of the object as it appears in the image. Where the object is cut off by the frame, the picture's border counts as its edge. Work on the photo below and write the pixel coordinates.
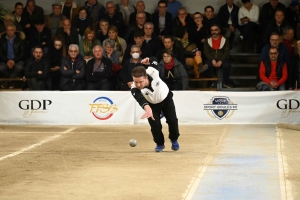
(99, 85)
(34, 84)
(226, 66)
(73, 86)
(168, 108)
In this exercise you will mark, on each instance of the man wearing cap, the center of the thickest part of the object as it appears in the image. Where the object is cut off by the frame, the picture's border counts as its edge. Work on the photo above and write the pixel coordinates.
(55, 20)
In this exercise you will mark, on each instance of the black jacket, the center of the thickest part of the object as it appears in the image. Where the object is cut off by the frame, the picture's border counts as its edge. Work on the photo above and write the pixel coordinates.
(31, 69)
(69, 39)
(168, 24)
(81, 25)
(188, 20)
(70, 75)
(116, 20)
(223, 16)
(196, 36)
(128, 36)
(19, 48)
(36, 38)
(125, 73)
(91, 76)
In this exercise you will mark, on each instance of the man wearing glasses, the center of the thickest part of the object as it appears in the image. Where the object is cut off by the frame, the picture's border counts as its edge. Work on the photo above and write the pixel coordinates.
(273, 72)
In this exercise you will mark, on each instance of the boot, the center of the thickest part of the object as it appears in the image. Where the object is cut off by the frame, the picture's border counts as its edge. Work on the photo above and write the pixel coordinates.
(202, 68)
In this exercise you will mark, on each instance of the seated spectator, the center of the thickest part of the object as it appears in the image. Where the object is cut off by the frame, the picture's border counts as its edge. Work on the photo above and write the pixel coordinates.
(151, 39)
(9, 19)
(69, 9)
(68, 32)
(273, 73)
(289, 41)
(139, 25)
(81, 22)
(98, 71)
(140, 8)
(229, 22)
(32, 12)
(216, 50)
(114, 17)
(139, 40)
(102, 30)
(37, 70)
(268, 12)
(18, 13)
(162, 20)
(248, 21)
(209, 18)
(120, 42)
(54, 20)
(95, 10)
(11, 55)
(128, 64)
(178, 53)
(294, 17)
(72, 70)
(126, 9)
(294, 73)
(276, 25)
(183, 19)
(172, 72)
(40, 36)
(56, 53)
(87, 44)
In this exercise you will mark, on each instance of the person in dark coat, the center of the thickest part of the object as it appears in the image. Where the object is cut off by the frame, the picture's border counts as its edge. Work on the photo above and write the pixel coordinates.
(162, 27)
(82, 21)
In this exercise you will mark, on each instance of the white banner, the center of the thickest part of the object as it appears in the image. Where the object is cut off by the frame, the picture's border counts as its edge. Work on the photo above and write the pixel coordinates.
(109, 107)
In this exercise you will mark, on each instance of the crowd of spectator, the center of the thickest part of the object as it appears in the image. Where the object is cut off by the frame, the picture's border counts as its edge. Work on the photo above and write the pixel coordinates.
(95, 47)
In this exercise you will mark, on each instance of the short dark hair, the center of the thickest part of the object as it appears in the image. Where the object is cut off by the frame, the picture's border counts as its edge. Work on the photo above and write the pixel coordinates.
(138, 33)
(197, 13)
(38, 47)
(215, 24)
(139, 71)
(179, 31)
(162, 1)
(82, 8)
(19, 4)
(274, 33)
(272, 47)
(245, 1)
(206, 7)
(169, 37)
(167, 51)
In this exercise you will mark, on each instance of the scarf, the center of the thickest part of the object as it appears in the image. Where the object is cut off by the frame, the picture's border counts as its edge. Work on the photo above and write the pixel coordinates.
(169, 66)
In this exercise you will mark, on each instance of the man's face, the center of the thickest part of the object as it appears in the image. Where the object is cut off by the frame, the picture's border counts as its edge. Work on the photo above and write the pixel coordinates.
(182, 14)
(38, 53)
(82, 14)
(140, 6)
(56, 10)
(112, 35)
(168, 43)
(139, 40)
(67, 25)
(198, 18)
(247, 5)
(273, 53)
(10, 31)
(103, 25)
(31, 6)
(274, 3)
(141, 19)
(279, 16)
(148, 29)
(209, 13)
(140, 82)
(73, 52)
(289, 35)
(229, 2)
(215, 31)
(111, 8)
(274, 40)
(162, 8)
(19, 10)
(39, 27)
(135, 50)
(98, 52)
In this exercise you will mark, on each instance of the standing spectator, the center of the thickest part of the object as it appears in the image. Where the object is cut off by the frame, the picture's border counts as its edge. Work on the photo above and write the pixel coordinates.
(209, 18)
(11, 54)
(37, 70)
(56, 53)
(139, 25)
(273, 73)
(9, 18)
(140, 8)
(69, 33)
(95, 10)
(173, 72)
(216, 50)
(152, 39)
(126, 9)
(120, 42)
(228, 18)
(82, 21)
(183, 19)
(19, 18)
(289, 41)
(114, 17)
(40, 36)
(98, 71)
(102, 30)
(248, 21)
(268, 12)
(72, 70)
(69, 9)
(32, 12)
(87, 44)
(162, 20)
(55, 19)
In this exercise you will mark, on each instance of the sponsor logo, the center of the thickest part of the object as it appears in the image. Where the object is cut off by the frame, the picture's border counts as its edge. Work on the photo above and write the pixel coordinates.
(220, 108)
(31, 107)
(103, 108)
(288, 106)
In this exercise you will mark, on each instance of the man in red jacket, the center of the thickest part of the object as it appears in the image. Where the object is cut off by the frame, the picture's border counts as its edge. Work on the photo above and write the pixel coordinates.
(272, 72)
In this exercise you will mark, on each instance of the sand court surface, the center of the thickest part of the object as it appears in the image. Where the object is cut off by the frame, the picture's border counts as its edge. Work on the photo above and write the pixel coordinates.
(96, 162)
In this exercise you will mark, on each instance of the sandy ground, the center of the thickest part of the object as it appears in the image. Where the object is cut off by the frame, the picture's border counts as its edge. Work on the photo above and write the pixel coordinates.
(96, 162)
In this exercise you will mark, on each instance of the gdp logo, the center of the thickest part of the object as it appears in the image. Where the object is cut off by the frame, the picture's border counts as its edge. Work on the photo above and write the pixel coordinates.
(31, 107)
(103, 108)
(220, 107)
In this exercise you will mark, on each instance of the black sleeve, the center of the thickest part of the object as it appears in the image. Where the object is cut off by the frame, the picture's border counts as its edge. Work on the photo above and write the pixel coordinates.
(137, 94)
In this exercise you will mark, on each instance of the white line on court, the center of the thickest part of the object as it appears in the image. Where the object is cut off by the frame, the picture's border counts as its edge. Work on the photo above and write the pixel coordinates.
(37, 144)
(285, 185)
(53, 132)
(196, 180)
